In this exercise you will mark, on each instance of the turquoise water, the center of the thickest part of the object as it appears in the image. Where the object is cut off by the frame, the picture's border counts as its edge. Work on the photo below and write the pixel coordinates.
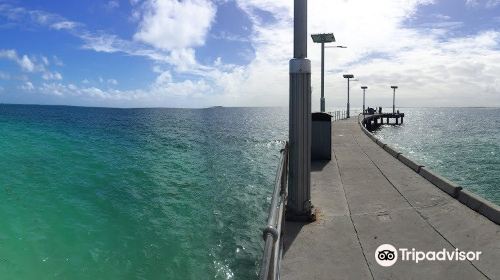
(463, 144)
(89, 193)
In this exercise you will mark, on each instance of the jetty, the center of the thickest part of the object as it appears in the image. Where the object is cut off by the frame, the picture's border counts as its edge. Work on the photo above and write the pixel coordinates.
(365, 197)
(346, 205)
(374, 121)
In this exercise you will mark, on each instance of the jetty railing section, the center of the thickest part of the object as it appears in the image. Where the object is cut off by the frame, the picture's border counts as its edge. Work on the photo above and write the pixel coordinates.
(273, 248)
(338, 115)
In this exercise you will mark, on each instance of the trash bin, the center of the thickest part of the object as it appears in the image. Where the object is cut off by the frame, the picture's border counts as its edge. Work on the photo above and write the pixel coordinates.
(321, 136)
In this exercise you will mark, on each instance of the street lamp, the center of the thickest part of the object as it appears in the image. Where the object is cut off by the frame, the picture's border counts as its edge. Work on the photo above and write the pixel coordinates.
(348, 77)
(394, 99)
(299, 204)
(364, 91)
(323, 38)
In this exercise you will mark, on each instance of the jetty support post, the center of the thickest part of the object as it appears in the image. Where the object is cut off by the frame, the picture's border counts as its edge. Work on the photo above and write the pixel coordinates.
(299, 205)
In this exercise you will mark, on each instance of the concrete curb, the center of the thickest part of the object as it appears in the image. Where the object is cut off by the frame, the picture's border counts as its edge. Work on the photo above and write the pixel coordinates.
(391, 151)
(444, 184)
(480, 205)
(484, 207)
(410, 163)
(380, 144)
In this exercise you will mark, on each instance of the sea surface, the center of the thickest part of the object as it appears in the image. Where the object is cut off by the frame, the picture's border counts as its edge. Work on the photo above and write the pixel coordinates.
(93, 193)
(462, 144)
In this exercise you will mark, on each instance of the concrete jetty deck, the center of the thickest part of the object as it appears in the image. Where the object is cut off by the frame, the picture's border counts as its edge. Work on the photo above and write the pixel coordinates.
(366, 198)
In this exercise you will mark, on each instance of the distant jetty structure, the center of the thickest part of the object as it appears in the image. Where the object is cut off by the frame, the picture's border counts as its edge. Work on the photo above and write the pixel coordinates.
(360, 209)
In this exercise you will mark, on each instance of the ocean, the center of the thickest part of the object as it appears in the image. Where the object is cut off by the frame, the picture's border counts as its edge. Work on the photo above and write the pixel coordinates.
(96, 193)
(462, 144)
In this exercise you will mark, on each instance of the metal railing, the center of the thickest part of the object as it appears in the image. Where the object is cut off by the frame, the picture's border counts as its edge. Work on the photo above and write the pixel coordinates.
(338, 115)
(272, 234)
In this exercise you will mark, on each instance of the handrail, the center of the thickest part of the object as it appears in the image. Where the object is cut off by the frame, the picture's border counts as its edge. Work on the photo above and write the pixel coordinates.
(272, 234)
(338, 115)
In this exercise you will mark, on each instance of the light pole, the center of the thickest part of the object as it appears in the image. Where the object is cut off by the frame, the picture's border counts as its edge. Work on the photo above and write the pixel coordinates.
(299, 206)
(394, 99)
(364, 91)
(348, 77)
(323, 38)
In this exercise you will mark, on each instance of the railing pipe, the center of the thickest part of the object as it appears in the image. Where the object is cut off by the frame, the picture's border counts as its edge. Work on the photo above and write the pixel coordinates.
(272, 232)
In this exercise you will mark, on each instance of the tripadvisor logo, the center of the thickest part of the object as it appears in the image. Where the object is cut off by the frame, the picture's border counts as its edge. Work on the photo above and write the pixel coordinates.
(387, 255)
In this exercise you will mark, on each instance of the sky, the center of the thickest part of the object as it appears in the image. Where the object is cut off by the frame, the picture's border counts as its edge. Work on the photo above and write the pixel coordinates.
(201, 53)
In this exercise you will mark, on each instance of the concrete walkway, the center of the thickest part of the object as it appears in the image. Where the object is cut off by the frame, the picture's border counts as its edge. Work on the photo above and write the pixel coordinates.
(366, 198)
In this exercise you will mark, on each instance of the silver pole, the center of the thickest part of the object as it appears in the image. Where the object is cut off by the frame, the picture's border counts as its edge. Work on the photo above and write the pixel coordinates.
(348, 79)
(300, 29)
(363, 102)
(299, 205)
(394, 101)
(322, 101)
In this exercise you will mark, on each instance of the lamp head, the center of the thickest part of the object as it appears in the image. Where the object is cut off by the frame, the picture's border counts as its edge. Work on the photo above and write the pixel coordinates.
(350, 76)
(323, 38)
(364, 87)
(394, 87)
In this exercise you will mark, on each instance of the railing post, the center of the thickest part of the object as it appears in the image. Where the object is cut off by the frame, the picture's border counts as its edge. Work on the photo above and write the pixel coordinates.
(299, 205)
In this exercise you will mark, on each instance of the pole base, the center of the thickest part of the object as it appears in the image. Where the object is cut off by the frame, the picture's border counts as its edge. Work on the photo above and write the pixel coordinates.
(306, 217)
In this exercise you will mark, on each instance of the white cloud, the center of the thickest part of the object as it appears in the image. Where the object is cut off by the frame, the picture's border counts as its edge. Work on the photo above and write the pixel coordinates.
(471, 3)
(65, 24)
(112, 82)
(432, 66)
(381, 51)
(26, 64)
(164, 88)
(482, 3)
(492, 3)
(113, 4)
(45, 60)
(31, 66)
(52, 76)
(27, 86)
(57, 61)
(172, 24)
(101, 43)
(23, 61)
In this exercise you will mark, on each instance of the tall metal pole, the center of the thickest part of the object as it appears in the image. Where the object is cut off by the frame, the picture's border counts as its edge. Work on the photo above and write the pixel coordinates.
(394, 99)
(348, 115)
(322, 77)
(364, 101)
(299, 205)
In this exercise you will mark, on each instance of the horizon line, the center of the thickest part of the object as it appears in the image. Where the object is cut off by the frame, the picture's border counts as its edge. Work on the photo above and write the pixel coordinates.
(214, 106)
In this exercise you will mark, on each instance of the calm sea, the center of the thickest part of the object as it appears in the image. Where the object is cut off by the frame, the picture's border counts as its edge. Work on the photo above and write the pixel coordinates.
(463, 144)
(89, 193)
(93, 193)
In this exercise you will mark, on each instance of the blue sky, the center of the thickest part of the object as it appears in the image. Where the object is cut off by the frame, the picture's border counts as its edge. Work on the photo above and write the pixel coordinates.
(197, 53)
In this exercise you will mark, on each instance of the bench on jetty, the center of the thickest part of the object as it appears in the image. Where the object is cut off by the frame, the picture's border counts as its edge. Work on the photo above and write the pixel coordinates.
(374, 121)
(366, 197)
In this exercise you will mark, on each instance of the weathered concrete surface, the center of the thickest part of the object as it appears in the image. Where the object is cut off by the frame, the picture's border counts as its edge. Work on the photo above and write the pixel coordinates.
(366, 198)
